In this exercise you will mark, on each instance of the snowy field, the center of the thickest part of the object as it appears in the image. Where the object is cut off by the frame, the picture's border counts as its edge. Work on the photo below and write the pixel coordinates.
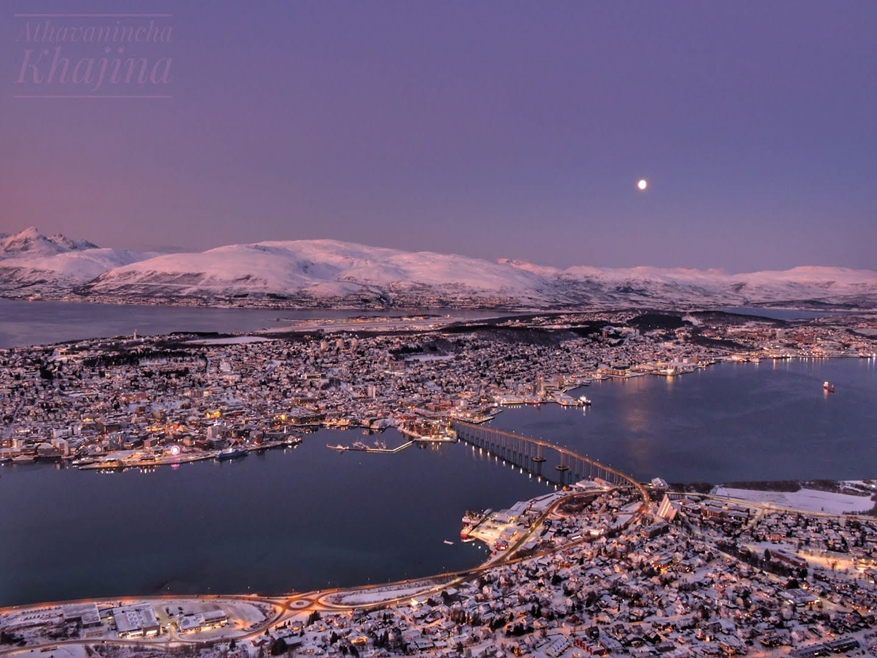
(823, 559)
(232, 340)
(69, 651)
(383, 594)
(430, 357)
(805, 500)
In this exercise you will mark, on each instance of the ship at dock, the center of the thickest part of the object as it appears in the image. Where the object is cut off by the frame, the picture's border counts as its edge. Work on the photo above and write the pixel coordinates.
(472, 520)
(231, 453)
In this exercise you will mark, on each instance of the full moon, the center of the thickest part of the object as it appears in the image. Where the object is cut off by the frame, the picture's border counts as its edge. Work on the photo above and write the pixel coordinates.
(643, 184)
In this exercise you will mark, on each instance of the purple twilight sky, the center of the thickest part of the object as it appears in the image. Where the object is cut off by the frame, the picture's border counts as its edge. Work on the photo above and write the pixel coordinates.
(492, 129)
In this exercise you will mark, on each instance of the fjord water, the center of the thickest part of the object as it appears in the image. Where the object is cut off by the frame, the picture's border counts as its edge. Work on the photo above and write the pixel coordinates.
(778, 313)
(25, 323)
(41, 323)
(307, 518)
(729, 422)
(303, 518)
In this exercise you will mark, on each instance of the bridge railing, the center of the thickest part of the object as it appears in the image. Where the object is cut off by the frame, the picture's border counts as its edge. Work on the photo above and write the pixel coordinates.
(516, 447)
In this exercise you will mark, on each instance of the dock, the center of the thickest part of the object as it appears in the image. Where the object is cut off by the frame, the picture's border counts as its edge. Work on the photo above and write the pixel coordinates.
(385, 451)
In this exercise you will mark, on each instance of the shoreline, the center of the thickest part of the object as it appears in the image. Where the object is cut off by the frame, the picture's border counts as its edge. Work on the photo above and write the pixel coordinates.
(109, 463)
(543, 505)
(245, 618)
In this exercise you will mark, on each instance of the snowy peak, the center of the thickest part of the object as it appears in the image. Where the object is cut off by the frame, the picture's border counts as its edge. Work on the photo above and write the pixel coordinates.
(541, 270)
(331, 273)
(319, 269)
(817, 275)
(73, 245)
(30, 242)
(31, 263)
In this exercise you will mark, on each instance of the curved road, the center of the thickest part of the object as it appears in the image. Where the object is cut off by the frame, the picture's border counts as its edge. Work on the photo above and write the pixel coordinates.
(286, 607)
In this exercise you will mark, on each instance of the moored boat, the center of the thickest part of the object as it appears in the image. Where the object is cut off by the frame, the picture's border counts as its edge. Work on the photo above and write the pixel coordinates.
(474, 518)
(231, 453)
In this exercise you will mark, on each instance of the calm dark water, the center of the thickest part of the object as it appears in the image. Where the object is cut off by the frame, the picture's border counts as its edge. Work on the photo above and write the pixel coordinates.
(309, 517)
(42, 323)
(779, 313)
(300, 519)
(730, 422)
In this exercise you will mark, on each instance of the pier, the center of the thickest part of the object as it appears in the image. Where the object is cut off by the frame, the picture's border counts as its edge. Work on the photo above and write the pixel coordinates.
(390, 451)
(385, 451)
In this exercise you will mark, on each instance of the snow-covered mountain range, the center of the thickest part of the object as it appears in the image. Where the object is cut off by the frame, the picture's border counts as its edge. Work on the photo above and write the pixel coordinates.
(33, 263)
(334, 273)
(30, 242)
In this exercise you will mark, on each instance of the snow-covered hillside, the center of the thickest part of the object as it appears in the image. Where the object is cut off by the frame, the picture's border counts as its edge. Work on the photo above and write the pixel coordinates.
(30, 242)
(331, 272)
(33, 263)
(324, 269)
(649, 285)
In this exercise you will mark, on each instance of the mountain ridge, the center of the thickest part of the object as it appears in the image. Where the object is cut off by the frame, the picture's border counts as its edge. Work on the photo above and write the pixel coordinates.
(30, 242)
(307, 273)
(31, 262)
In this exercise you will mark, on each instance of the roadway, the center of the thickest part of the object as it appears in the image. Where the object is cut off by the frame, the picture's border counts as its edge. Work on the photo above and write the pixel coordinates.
(287, 607)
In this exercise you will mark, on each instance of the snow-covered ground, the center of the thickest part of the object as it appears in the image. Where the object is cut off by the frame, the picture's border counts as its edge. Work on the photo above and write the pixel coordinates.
(430, 357)
(805, 500)
(345, 273)
(824, 560)
(325, 269)
(377, 595)
(29, 260)
(231, 340)
(68, 651)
